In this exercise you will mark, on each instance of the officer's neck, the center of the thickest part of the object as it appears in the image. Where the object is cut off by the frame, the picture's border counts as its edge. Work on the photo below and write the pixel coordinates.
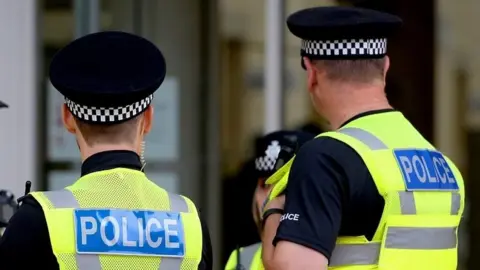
(346, 104)
(88, 151)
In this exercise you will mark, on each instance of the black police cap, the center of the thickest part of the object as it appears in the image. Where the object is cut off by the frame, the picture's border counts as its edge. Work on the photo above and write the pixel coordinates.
(108, 77)
(336, 33)
(270, 147)
(3, 105)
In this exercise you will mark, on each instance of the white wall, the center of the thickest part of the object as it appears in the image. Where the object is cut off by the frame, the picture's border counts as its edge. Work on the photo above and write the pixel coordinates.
(18, 88)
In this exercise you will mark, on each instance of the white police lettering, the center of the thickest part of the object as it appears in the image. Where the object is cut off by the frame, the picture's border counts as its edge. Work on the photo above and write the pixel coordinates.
(448, 172)
(150, 242)
(169, 232)
(407, 166)
(431, 178)
(425, 170)
(129, 232)
(126, 242)
(141, 241)
(289, 216)
(85, 230)
(417, 166)
(116, 231)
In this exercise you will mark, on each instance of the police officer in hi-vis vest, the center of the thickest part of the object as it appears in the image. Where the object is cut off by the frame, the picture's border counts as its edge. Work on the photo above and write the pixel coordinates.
(113, 217)
(271, 150)
(374, 193)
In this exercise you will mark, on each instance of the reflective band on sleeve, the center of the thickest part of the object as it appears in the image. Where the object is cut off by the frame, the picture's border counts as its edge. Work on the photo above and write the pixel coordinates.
(365, 137)
(247, 254)
(88, 262)
(177, 203)
(170, 263)
(421, 238)
(355, 254)
(61, 198)
(407, 203)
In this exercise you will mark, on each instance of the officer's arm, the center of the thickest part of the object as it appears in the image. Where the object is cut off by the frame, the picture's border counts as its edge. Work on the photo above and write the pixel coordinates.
(313, 206)
(27, 237)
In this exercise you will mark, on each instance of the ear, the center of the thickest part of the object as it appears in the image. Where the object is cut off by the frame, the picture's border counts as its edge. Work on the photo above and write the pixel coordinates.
(386, 67)
(148, 119)
(311, 74)
(68, 120)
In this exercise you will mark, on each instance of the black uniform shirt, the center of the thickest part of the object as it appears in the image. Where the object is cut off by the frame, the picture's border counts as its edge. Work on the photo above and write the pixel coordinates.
(26, 242)
(330, 193)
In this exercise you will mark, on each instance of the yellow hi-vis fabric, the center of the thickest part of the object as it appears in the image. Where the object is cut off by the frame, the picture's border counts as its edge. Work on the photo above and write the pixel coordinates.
(117, 189)
(250, 258)
(418, 228)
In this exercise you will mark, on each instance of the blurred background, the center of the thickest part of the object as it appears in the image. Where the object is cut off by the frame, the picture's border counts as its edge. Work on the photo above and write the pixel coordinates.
(223, 58)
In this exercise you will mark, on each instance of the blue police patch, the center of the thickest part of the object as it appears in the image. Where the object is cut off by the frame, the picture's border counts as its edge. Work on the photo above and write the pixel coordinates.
(425, 170)
(129, 232)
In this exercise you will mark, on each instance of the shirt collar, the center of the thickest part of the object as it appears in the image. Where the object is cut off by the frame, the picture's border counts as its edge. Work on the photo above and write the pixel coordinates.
(110, 160)
(360, 115)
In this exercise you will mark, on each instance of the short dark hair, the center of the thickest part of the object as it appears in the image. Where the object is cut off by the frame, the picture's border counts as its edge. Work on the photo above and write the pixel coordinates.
(362, 70)
(108, 133)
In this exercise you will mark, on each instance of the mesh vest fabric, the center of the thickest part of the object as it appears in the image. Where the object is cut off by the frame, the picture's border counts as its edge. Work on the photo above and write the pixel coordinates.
(250, 258)
(117, 189)
(418, 229)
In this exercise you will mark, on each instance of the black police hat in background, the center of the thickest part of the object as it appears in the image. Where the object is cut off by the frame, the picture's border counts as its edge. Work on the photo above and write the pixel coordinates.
(3, 105)
(276, 148)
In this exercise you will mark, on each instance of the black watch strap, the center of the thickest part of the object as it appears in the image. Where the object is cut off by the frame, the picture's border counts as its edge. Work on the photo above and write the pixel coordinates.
(270, 212)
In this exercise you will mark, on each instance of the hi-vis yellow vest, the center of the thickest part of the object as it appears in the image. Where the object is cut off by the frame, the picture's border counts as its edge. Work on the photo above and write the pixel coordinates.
(423, 192)
(250, 258)
(118, 219)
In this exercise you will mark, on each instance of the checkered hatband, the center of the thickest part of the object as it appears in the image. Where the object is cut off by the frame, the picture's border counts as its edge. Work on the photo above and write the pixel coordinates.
(267, 162)
(108, 115)
(345, 48)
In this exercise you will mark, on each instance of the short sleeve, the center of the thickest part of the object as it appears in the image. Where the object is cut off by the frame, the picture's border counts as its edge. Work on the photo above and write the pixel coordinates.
(316, 192)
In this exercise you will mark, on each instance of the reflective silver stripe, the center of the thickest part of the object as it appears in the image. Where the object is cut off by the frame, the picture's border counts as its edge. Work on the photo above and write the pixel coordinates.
(62, 198)
(170, 263)
(456, 201)
(407, 203)
(365, 137)
(247, 254)
(421, 238)
(355, 254)
(177, 203)
(397, 238)
(88, 262)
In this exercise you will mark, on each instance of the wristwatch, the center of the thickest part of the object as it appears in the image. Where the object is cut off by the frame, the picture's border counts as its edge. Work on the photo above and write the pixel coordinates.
(270, 212)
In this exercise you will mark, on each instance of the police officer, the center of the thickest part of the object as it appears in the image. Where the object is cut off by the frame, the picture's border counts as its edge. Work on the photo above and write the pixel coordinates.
(113, 217)
(374, 194)
(271, 150)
